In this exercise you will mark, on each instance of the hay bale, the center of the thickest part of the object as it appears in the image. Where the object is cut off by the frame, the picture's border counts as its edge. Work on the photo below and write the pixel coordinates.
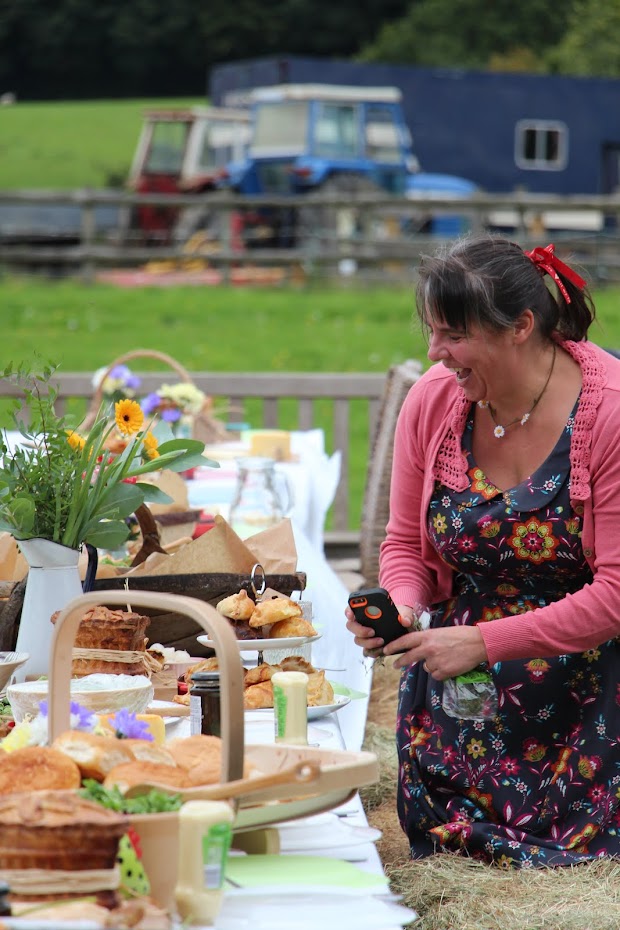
(450, 891)
(381, 741)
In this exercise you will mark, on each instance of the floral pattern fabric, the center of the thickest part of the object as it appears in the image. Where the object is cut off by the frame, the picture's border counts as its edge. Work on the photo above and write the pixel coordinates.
(539, 784)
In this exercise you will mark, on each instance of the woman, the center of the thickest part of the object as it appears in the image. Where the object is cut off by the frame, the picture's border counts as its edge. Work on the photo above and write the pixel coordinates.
(505, 521)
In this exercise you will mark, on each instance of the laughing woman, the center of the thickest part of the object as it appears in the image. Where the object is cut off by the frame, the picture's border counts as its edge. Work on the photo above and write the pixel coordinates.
(505, 522)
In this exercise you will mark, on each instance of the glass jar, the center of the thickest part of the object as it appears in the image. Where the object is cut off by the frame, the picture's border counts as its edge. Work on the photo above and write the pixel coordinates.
(262, 497)
(204, 704)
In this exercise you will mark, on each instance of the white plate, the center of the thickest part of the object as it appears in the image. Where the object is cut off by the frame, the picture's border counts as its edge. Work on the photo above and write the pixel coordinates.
(262, 645)
(340, 700)
(314, 713)
(323, 833)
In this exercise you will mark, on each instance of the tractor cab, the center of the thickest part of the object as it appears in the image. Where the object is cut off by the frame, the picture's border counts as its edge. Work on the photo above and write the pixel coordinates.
(305, 135)
(183, 151)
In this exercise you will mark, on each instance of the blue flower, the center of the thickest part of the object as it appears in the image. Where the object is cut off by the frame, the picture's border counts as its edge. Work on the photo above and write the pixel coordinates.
(150, 403)
(127, 727)
(170, 414)
(81, 717)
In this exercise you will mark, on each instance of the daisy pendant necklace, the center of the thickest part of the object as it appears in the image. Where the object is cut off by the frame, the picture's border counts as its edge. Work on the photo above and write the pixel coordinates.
(500, 429)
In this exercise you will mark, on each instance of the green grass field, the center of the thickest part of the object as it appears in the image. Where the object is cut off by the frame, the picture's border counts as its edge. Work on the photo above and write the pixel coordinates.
(82, 328)
(71, 144)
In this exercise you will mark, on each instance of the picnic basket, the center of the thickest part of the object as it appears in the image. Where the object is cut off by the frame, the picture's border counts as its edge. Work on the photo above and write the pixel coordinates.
(205, 427)
(336, 775)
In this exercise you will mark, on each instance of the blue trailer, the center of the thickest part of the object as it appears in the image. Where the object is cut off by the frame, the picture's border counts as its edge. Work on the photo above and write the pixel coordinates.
(547, 134)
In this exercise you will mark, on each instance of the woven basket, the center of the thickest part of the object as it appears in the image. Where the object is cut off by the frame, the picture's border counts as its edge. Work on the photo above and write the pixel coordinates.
(205, 426)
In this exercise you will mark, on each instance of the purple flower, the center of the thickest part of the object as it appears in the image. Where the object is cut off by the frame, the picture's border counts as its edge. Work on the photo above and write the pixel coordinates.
(170, 414)
(127, 727)
(150, 403)
(132, 381)
(81, 717)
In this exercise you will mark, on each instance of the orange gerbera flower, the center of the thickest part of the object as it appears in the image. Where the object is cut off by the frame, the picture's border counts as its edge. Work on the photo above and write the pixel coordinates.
(150, 446)
(129, 416)
(76, 441)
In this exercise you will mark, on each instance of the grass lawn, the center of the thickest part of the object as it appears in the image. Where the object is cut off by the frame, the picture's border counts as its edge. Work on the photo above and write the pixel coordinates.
(84, 327)
(65, 145)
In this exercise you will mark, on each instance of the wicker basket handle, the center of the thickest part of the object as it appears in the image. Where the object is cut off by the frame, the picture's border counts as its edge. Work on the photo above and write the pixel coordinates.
(216, 627)
(97, 397)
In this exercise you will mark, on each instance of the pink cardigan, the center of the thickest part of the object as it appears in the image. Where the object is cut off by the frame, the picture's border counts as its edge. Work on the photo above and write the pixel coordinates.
(427, 447)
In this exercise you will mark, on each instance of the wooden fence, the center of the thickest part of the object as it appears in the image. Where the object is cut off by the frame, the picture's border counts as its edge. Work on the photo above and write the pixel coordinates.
(373, 235)
(269, 393)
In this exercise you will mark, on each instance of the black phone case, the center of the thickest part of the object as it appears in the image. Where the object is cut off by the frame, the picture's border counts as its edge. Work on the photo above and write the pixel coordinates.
(373, 607)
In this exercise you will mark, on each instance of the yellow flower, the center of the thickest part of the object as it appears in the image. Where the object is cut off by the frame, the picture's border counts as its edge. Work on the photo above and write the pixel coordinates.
(129, 416)
(475, 748)
(440, 524)
(74, 439)
(150, 446)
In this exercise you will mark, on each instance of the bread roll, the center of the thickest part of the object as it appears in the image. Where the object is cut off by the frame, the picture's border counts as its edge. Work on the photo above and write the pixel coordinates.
(94, 755)
(36, 768)
(128, 774)
(199, 756)
(144, 750)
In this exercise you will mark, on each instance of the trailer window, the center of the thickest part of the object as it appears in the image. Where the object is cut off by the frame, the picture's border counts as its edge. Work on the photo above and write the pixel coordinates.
(541, 145)
(280, 127)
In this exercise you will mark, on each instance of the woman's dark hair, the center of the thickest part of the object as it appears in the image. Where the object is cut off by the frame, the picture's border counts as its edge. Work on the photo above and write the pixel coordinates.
(489, 281)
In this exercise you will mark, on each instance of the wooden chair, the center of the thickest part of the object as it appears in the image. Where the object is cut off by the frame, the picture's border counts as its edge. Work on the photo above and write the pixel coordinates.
(376, 501)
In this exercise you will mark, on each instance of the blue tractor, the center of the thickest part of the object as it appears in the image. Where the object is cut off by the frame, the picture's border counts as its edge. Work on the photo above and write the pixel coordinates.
(331, 139)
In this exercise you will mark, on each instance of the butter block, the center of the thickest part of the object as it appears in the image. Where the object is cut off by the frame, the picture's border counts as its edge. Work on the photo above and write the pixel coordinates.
(272, 443)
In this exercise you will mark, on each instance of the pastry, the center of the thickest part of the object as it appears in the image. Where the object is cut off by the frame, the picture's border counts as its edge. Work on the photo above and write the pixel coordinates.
(262, 672)
(294, 626)
(274, 609)
(59, 831)
(36, 768)
(199, 756)
(118, 630)
(320, 691)
(236, 607)
(258, 696)
(296, 664)
(206, 665)
(94, 755)
(128, 774)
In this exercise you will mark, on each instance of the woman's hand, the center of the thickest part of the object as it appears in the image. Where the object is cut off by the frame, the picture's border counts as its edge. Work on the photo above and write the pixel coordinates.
(365, 637)
(445, 652)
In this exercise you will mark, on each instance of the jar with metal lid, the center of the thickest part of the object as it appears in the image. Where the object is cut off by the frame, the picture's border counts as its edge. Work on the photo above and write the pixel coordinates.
(5, 907)
(204, 704)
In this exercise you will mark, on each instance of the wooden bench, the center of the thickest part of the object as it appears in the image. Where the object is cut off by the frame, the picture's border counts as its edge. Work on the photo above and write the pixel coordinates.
(277, 401)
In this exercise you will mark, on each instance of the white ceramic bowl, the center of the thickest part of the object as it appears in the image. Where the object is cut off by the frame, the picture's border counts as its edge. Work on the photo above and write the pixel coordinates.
(9, 662)
(101, 694)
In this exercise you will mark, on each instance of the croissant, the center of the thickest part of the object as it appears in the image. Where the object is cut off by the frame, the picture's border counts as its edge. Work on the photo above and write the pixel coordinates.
(296, 664)
(274, 609)
(320, 691)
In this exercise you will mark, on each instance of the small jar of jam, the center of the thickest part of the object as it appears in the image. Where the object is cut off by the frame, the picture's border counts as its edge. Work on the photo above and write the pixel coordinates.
(204, 704)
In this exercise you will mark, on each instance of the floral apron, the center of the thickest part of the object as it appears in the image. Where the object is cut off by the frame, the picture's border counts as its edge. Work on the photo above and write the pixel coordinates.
(539, 784)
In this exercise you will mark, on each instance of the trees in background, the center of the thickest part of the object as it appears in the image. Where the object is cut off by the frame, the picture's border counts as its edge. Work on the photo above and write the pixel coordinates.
(77, 49)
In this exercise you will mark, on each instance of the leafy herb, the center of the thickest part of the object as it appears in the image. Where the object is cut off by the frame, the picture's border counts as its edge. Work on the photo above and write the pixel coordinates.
(154, 802)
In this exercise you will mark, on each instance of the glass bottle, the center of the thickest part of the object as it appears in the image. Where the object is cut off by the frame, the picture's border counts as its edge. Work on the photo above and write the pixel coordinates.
(258, 502)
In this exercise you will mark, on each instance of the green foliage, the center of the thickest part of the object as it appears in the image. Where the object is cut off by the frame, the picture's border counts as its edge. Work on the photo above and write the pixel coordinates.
(468, 33)
(153, 802)
(591, 44)
(67, 488)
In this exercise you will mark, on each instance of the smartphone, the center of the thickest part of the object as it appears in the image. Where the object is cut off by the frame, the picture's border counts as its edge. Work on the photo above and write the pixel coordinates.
(375, 608)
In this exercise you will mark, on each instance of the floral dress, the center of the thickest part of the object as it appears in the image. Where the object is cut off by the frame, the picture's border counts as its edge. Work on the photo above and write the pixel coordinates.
(538, 784)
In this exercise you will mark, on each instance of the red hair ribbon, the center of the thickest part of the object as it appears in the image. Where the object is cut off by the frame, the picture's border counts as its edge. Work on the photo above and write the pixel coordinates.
(547, 261)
